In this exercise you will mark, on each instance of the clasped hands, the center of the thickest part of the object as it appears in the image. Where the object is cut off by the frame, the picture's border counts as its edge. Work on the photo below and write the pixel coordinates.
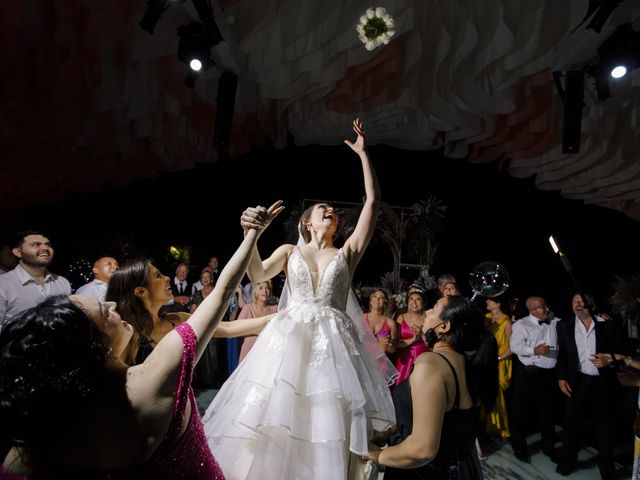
(375, 445)
(258, 218)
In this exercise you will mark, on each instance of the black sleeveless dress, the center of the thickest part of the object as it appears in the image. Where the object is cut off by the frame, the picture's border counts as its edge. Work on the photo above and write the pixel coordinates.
(456, 458)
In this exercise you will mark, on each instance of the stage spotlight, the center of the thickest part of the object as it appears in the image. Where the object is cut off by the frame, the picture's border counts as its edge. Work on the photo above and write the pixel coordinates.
(155, 9)
(194, 50)
(619, 71)
(619, 54)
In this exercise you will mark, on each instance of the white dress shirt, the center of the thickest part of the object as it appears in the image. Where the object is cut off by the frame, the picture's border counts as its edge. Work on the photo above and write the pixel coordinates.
(95, 289)
(586, 345)
(19, 291)
(527, 333)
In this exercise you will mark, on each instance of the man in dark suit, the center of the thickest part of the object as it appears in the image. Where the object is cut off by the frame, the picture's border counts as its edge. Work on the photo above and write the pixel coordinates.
(181, 289)
(587, 380)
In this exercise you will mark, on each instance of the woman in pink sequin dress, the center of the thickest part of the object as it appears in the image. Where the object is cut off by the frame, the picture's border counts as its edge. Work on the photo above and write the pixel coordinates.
(71, 408)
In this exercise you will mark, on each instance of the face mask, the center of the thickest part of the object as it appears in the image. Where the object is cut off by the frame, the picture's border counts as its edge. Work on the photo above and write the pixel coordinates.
(431, 337)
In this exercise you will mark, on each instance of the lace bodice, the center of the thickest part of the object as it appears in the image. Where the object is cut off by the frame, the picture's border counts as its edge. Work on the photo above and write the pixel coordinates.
(333, 283)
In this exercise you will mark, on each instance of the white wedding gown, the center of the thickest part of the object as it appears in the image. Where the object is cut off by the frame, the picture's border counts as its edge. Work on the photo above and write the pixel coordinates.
(308, 393)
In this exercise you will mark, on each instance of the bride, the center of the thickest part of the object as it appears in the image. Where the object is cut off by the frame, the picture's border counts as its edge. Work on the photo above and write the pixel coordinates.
(304, 402)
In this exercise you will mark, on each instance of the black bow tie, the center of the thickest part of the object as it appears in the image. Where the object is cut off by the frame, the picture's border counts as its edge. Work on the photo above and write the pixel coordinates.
(544, 322)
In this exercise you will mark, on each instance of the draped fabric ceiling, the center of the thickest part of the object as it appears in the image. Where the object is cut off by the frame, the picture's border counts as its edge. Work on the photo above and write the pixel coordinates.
(90, 99)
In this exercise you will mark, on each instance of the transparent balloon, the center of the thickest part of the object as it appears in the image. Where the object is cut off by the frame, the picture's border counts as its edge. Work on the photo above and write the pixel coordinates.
(489, 279)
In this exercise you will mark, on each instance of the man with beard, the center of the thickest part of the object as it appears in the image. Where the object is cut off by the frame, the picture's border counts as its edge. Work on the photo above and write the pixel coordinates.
(31, 281)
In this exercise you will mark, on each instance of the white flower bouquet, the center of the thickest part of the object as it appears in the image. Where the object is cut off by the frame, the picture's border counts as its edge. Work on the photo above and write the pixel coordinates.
(376, 28)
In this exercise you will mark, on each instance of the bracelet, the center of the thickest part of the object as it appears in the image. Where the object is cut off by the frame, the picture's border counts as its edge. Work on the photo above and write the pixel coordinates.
(499, 358)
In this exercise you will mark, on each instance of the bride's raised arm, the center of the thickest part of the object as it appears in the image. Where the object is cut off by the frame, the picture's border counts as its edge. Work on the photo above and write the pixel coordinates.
(356, 244)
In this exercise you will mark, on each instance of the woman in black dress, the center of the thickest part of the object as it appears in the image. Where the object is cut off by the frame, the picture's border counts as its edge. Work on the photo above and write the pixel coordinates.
(437, 407)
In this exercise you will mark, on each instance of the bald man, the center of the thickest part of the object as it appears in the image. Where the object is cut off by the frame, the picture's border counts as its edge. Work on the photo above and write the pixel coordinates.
(534, 340)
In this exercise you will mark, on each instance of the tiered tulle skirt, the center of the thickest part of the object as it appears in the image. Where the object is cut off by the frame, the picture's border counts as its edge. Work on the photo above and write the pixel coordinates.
(306, 396)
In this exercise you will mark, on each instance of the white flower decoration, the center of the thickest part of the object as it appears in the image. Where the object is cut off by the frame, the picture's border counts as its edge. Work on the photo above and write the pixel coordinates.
(376, 28)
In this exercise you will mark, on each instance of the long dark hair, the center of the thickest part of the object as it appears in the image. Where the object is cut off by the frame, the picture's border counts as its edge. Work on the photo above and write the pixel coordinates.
(469, 336)
(52, 359)
(122, 285)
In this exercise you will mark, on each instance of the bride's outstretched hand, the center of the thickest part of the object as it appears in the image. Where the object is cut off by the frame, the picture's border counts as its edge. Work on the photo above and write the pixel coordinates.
(259, 217)
(358, 146)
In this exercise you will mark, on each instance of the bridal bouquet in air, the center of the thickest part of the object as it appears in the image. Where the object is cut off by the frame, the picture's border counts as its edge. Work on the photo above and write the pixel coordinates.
(376, 28)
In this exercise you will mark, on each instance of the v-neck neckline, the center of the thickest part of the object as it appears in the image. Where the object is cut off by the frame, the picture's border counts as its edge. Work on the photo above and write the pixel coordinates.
(321, 276)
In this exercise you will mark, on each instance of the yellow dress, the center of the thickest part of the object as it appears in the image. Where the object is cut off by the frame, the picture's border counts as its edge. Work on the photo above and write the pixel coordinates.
(496, 421)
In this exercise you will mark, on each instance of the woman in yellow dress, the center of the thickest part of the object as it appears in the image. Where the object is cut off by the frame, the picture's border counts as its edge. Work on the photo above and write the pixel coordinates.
(499, 324)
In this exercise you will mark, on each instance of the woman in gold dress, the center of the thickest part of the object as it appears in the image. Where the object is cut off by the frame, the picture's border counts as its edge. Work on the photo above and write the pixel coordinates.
(499, 323)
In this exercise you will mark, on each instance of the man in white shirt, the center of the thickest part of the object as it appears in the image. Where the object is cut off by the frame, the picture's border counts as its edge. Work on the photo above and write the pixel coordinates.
(30, 282)
(587, 382)
(102, 270)
(534, 341)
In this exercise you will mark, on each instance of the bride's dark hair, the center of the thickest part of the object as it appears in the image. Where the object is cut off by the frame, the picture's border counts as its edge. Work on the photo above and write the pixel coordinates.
(52, 359)
(469, 336)
(304, 218)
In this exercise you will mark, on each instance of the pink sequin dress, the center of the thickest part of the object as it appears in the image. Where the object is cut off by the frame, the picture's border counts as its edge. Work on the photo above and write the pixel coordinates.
(187, 456)
(179, 457)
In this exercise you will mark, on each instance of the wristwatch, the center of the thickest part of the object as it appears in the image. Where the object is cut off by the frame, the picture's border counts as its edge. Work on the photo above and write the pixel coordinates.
(627, 361)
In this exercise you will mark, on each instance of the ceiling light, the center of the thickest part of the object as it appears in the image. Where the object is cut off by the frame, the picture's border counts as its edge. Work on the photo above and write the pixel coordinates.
(194, 50)
(619, 71)
(618, 55)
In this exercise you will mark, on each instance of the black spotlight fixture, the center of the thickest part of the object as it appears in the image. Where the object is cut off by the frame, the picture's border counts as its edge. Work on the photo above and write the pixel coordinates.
(194, 49)
(155, 9)
(619, 54)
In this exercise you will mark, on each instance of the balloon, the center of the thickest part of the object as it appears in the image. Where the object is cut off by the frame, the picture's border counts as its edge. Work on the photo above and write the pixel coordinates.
(489, 279)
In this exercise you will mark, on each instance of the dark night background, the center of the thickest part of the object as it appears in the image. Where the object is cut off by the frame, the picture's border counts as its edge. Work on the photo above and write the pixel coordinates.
(490, 216)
